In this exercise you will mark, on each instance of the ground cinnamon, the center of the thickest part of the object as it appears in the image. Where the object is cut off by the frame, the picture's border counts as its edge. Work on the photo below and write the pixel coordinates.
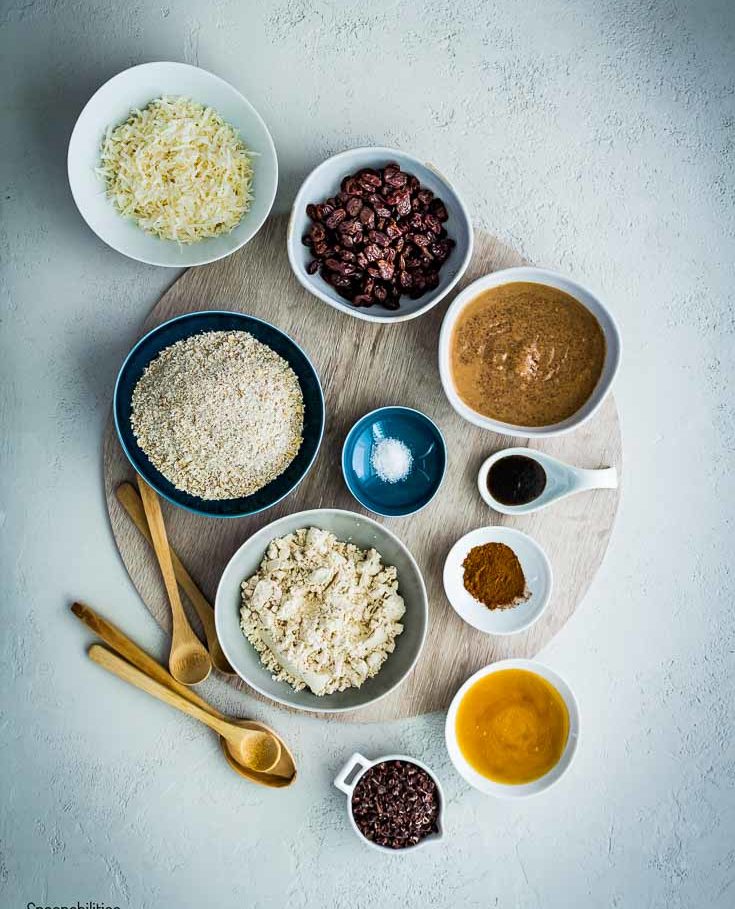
(493, 575)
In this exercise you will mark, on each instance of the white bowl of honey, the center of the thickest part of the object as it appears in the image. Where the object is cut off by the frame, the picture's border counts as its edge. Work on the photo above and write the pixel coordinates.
(512, 729)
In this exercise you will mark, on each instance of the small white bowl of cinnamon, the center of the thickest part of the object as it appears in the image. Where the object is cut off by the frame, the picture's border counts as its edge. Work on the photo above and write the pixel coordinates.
(498, 579)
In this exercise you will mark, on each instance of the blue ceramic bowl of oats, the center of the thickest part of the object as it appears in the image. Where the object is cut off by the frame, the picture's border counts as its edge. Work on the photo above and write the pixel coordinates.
(393, 461)
(224, 404)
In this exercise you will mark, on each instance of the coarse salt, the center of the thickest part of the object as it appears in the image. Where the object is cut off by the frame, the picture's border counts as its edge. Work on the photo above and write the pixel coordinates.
(391, 460)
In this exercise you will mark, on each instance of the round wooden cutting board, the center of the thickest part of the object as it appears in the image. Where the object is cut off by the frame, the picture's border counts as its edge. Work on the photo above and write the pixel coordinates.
(362, 366)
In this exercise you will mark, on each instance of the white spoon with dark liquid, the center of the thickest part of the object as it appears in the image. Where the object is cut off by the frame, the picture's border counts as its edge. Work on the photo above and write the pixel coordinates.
(523, 480)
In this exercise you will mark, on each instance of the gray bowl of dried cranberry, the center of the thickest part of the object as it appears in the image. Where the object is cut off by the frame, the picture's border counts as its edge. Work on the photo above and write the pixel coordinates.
(394, 803)
(379, 235)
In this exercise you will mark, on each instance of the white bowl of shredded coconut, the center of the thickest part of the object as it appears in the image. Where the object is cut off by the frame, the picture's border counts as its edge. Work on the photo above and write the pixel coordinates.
(322, 610)
(170, 165)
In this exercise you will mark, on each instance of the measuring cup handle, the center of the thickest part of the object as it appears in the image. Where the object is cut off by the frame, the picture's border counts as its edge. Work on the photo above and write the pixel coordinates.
(354, 763)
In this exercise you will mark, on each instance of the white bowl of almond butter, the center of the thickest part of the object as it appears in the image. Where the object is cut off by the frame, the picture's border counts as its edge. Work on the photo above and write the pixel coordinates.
(528, 352)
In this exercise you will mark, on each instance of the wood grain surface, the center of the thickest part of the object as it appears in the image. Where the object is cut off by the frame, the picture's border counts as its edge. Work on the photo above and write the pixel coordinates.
(362, 366)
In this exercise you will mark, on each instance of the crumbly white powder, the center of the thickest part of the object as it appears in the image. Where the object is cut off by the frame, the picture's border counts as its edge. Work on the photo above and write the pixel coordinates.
(320, 612)
(219, 414)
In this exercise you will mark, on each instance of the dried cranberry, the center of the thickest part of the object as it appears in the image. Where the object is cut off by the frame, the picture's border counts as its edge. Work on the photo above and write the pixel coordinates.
(377, 236)
(337, 217)
(353, 206)
(438, 208)
(367, 216)
(396, 179)
(369, 180)
(432, 223)
(351, 187)
(385, 268)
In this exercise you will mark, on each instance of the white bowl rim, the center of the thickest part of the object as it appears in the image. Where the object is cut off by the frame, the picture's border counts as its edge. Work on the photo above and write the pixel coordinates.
(358, 313)
(219, 606)
(533, 275)
(146, 260)
(506, 790)
(540, 551)
(349, 788)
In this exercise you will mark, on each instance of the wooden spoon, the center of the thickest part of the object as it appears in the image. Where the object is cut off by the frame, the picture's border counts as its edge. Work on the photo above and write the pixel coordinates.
(284, 772)
(128, 497)
(188, 659)
(255, 749)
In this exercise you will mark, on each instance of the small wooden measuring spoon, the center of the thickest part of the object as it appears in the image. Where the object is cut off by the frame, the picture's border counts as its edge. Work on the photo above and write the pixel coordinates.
(259, 750)
(130, 501)
(282, 773)
(188, 658)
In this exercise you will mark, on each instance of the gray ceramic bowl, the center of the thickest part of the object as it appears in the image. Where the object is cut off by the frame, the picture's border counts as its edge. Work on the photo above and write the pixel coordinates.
(325, 181)
(363, 532)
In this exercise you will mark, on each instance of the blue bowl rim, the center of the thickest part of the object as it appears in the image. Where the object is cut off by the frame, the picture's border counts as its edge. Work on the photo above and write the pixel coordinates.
(153, 485)
(349, 435)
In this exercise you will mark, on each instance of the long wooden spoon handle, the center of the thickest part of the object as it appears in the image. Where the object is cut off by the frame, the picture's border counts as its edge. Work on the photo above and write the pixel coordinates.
(124, 670)
(160, 543)
(128, 497)
(128, 649)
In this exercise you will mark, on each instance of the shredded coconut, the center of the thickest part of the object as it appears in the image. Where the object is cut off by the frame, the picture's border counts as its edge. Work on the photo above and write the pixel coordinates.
(321, 613)
(219, 414)
(391, 459)
(178, 169)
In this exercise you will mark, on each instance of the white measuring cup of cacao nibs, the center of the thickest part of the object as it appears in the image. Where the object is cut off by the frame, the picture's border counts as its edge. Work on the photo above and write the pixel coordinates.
(355, 769)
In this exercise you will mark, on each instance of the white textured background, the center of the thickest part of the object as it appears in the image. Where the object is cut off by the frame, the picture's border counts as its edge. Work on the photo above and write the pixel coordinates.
(598, 136)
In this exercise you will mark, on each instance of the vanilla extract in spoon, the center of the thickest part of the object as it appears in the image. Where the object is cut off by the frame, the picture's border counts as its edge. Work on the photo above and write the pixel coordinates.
(516, 480)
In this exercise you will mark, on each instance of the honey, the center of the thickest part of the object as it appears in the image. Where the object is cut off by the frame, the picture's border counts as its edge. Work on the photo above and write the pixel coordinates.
(512, 726)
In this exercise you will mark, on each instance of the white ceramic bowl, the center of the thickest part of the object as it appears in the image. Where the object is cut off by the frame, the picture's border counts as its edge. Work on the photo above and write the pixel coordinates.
(551, 279)
(349, 776)
(363, 532)
(503, 790)
(536, 568)
(324, 181)
(110, 105)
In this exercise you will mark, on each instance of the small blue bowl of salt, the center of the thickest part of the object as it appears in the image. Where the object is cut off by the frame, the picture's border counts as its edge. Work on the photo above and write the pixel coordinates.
(393, 461)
